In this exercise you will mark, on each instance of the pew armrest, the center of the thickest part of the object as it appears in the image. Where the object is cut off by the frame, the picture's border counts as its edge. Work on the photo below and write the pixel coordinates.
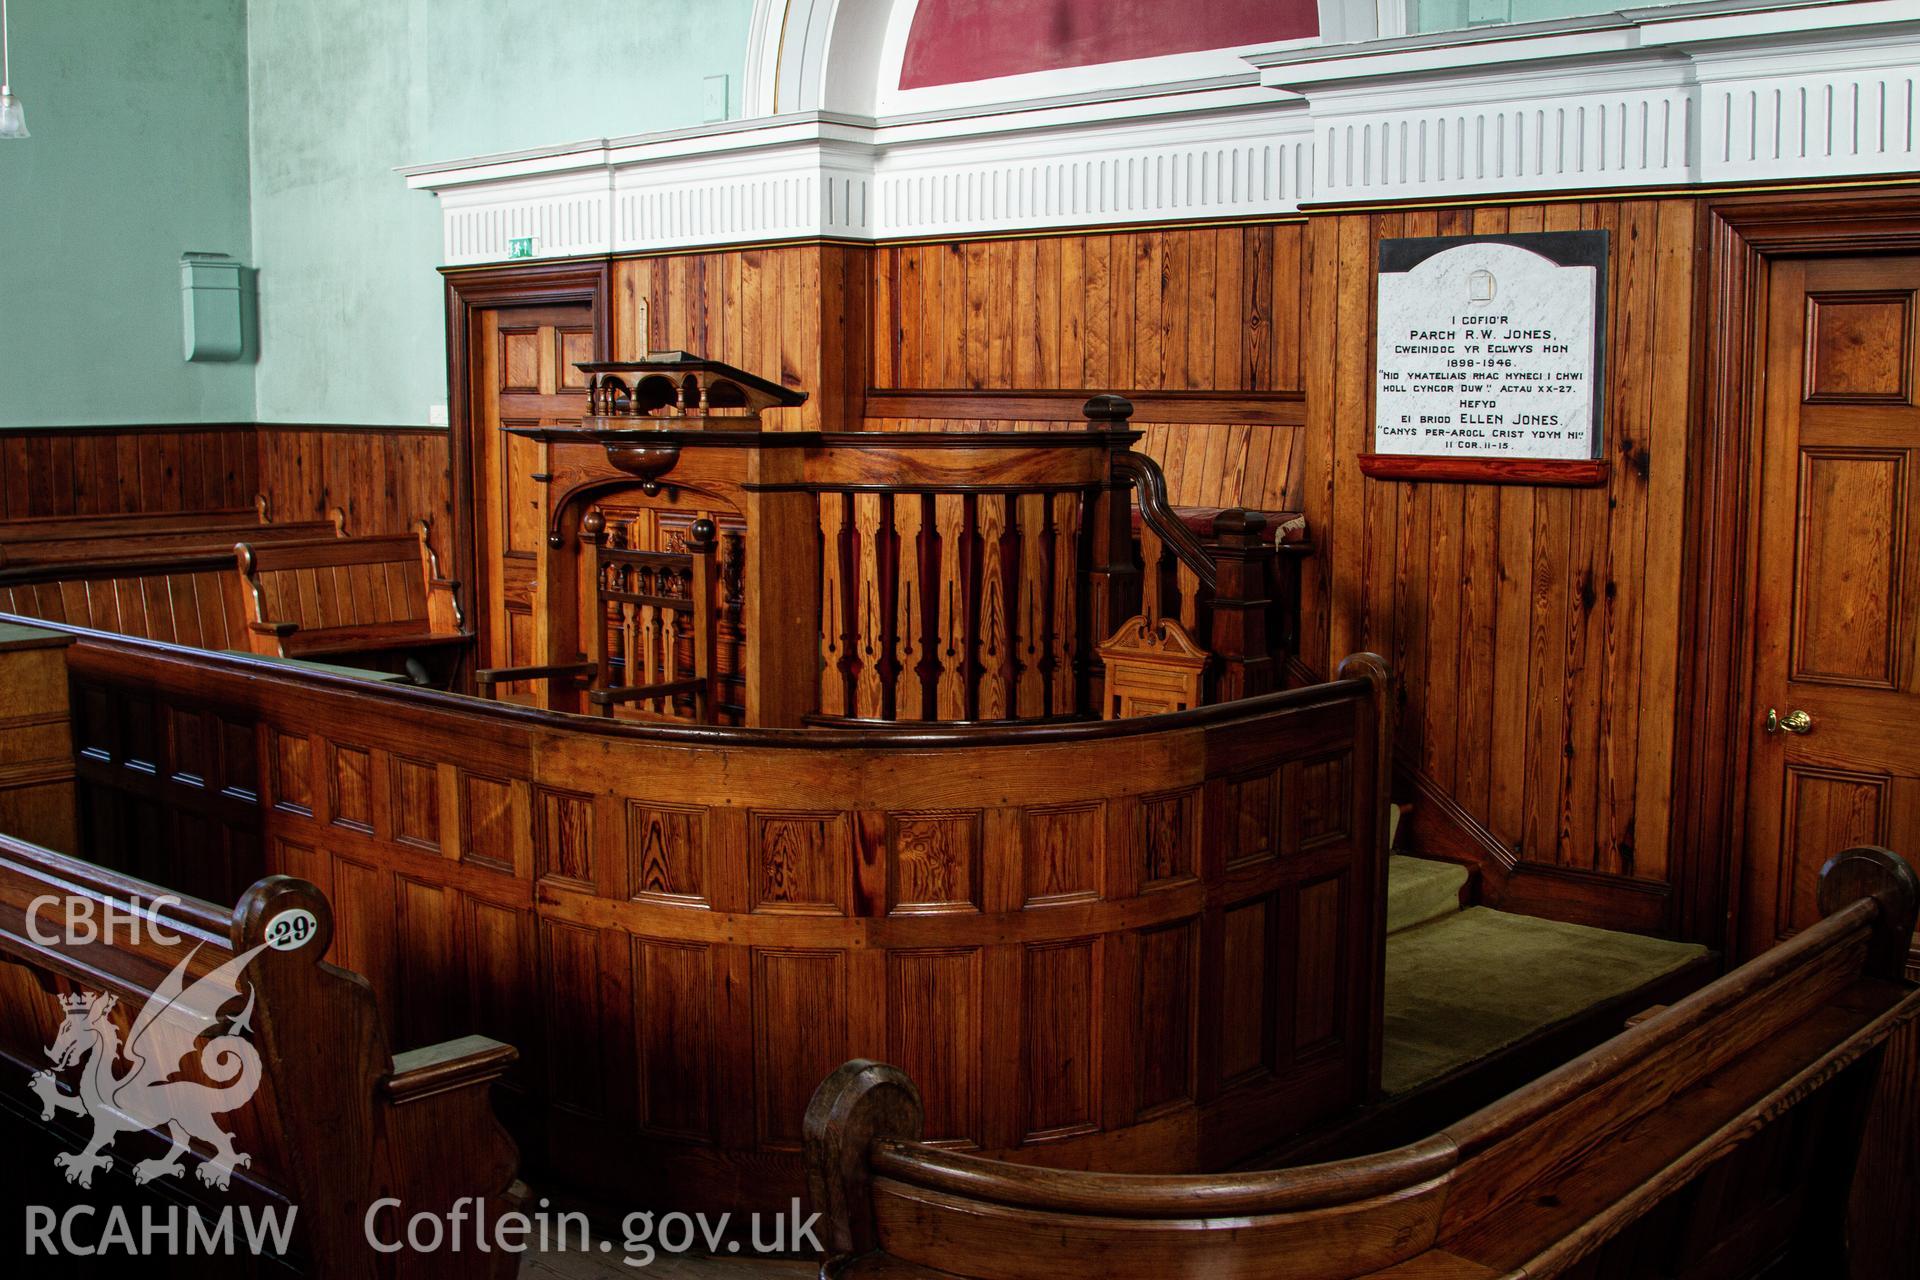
(269, 639)
(443, 605)
(467, 1062)
(489, 676)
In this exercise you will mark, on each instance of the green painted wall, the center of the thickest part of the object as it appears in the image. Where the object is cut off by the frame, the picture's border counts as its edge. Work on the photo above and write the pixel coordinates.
(352, 317)
(138, 110)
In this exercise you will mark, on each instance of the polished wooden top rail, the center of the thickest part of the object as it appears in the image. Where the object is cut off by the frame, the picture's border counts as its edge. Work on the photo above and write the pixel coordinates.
(336, 1122)
(1555, 1175)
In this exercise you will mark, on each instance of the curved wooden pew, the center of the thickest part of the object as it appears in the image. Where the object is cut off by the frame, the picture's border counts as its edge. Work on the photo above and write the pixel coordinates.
(1713, 1138)
(336, 1122)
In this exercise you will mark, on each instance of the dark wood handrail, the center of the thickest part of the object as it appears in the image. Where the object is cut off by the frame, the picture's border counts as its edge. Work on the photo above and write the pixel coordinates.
(1139, 1195)
(1150, 483)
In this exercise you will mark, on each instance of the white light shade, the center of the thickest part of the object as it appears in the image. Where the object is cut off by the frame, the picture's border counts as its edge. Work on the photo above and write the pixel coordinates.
(13, 117)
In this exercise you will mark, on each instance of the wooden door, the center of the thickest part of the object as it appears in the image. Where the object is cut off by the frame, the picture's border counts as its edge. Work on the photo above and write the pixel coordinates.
(1837, 596)
(524, 375)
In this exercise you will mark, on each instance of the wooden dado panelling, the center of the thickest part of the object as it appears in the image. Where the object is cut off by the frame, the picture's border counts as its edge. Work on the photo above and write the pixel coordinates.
(796, 315)
(384, 478)
(1535, 632)
(1202, 325)
(683, 937)
(93, 471)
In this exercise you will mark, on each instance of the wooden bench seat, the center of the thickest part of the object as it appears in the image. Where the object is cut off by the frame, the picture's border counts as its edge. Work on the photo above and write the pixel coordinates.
(341, 597)
(1717, 1137)
(337, 1121)
(185, 599)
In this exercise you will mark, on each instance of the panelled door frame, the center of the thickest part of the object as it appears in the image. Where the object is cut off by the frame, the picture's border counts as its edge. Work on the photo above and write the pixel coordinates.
(470, 291)
(1744, 237)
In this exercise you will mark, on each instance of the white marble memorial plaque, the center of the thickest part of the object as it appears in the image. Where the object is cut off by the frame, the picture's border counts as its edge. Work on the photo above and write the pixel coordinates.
(1488, 348)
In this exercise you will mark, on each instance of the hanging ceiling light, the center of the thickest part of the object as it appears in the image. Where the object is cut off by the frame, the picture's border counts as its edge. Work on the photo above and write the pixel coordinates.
(13, 116)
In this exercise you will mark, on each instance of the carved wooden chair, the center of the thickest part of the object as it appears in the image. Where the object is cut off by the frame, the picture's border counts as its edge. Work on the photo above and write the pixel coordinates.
(653, 626)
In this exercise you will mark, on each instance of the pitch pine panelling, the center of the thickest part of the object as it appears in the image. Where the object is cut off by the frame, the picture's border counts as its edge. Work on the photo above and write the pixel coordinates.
(795, 314)
(126, 471)
(383, 479)
(1211, 310)
(1535, 631)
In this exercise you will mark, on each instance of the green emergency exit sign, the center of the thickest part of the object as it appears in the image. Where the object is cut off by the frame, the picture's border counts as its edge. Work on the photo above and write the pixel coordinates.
(520, 247)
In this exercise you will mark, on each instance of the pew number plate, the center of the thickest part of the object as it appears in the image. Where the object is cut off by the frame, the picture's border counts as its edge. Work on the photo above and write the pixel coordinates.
(292, 929)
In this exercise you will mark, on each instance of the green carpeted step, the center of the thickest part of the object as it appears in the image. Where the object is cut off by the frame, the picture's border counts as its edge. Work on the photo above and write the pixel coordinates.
(1420, 889)
(1470, 984)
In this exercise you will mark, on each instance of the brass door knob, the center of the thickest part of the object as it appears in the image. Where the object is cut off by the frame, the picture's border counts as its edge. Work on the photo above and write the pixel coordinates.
(1793, 722)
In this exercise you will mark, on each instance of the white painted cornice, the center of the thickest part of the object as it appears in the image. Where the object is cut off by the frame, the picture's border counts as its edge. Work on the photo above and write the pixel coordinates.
(1661, 97)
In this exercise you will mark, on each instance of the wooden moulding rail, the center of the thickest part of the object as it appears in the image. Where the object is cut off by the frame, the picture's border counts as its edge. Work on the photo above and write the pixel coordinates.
(1231, 408)
(1776, 1057)
(1059, 923)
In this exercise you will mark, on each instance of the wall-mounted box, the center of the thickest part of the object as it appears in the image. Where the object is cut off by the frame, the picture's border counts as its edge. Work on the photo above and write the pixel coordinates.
(213, 306)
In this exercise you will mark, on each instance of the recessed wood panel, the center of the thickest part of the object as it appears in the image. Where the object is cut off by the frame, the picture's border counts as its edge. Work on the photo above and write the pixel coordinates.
(1166, 1004)
(933, 862)
(520, 360)
(563, 836)
(290, 859)
(933, 1034)
(575, 1029)
(801, 862)
(1063, 853)
(350, 786)
(1326, 800)
(520, 495)
(1860, 348)
(1246, 1037)
(500, 975)
(189, 751)
(800, 1035)
(140, 735)
(1060, 997)
(95, 727)
(292, 762)
(416, 802)
(673, 1033)
(1253, 817)
(1852, 538)
(486, 821)
(1168, 837)
(666, 852)
(1826, 810)
(1319, 990)
(427, 992)
(239, 760)
(363, 921)
(575, 347)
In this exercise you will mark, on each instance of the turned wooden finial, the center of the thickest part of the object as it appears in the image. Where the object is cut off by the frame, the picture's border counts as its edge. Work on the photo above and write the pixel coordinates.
(859, 1104)
(1104, 410)
(1868, 871)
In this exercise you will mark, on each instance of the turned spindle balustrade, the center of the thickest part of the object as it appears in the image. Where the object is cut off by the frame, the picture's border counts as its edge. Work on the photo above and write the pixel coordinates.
(885, 577)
